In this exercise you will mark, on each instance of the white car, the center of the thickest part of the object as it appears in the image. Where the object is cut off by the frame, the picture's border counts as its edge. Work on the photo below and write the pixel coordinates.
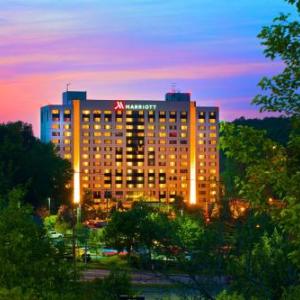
(55, 235)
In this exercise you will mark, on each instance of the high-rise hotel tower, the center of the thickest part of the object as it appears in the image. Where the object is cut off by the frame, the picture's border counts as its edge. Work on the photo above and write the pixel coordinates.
(129, 149)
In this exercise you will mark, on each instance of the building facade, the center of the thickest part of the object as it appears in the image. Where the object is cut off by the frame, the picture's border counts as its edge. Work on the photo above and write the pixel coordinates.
(129, 149)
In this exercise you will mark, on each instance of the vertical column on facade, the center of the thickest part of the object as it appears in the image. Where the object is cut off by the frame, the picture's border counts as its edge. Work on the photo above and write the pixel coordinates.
(192, 150)
(76, 151)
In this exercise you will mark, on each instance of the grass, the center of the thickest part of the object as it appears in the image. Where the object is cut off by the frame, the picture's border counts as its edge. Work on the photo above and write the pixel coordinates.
(108, 263)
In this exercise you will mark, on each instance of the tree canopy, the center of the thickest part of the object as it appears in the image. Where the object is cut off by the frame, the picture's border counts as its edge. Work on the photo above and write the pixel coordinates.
(28, 163)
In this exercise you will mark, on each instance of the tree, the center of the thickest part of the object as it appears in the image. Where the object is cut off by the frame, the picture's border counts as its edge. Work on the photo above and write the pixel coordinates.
(28, 259)
(140, 227)
(282, 40)
(27, 162)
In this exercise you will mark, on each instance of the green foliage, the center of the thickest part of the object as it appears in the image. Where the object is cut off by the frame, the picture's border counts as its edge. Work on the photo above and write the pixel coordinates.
(17, 293)
(27, 258)
(282, 40)
(49, 222)
(292, 293)
(27, 162)
(264, 269)
(140, 227)
(225, 295)
(262, 163)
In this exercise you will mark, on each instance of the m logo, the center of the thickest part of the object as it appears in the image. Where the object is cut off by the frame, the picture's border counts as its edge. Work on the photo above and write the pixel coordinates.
(119, 105)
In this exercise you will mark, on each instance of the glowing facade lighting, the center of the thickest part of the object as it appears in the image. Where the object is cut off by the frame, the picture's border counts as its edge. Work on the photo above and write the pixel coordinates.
(193, 190)
(76, 151)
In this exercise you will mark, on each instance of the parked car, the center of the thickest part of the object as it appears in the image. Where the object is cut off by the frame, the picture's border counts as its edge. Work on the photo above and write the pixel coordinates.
(55, 235)
(109, 252)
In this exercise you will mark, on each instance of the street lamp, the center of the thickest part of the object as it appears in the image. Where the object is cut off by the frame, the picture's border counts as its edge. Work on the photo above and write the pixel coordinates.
(49, 205)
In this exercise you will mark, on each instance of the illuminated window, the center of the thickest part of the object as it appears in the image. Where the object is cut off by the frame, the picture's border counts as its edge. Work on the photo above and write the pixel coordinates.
(67, 141)
(183, 134)
(107, 141)
(55, 141)
(67, 133)
(97, 126)
(201, 120)
(97, 133)
(212, 135)
(107, 134)
(162, 134)
(97, 156)
(107, 127)
(212, 121)
(201, 135)
(119, 127)
(85, 126)
(201, 156)
(151, 127)
(67, 126)
(86, 133)
(67, 156)
(183, 127)
(55, 126)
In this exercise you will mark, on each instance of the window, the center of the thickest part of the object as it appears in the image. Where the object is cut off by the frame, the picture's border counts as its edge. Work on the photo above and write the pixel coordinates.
(55, 126)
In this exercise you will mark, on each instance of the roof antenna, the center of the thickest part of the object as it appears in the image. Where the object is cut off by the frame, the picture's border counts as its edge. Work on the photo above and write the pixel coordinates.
(68, 84)
(173, 87)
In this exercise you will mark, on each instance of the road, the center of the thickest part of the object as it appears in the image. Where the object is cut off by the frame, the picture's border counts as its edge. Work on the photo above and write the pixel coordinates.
(143, 277)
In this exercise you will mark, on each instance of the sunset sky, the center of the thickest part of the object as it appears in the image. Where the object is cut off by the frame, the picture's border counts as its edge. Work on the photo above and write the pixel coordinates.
(132, 49)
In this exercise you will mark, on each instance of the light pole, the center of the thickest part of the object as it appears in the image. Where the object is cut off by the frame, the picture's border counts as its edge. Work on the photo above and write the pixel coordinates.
(49, 205)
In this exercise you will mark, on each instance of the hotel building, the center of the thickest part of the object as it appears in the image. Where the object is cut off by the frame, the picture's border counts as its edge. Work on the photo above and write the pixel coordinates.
(129, 149)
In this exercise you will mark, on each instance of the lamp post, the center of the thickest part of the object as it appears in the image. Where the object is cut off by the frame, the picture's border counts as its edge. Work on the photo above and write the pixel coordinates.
(49, 205)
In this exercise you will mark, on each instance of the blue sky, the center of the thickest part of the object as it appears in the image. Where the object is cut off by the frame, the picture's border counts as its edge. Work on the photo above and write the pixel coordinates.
(133, 49)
